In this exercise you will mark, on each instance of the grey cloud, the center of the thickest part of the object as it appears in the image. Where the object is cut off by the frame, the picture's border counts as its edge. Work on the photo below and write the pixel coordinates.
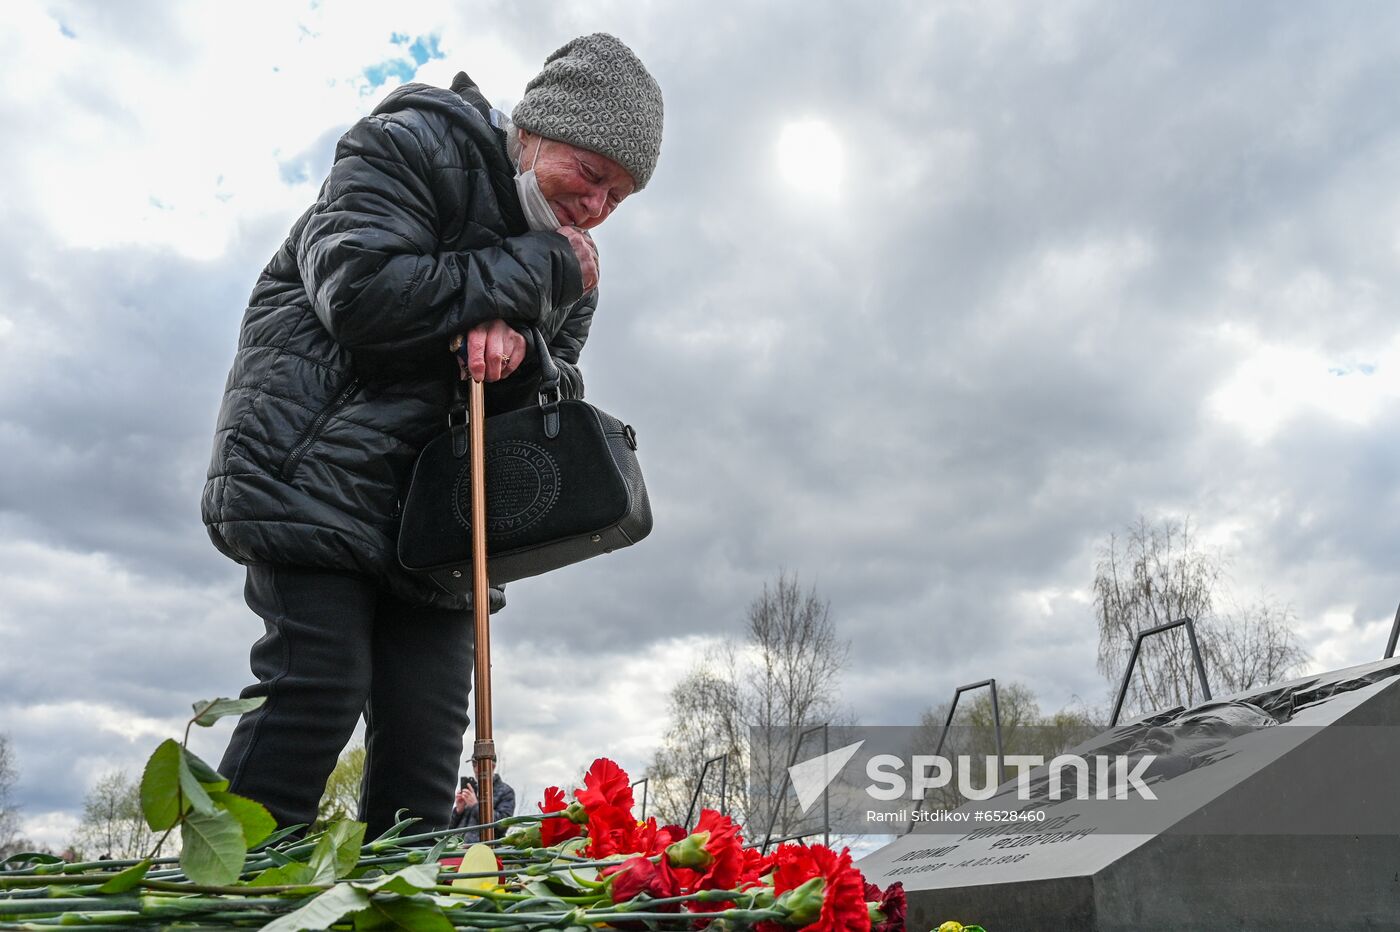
(141, 25)
(929, 398)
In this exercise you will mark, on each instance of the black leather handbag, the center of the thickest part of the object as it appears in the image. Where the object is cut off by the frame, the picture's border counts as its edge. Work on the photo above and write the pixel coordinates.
(562, 485)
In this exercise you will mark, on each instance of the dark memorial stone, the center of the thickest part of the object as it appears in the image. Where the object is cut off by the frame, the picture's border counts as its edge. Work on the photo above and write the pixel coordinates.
(1278, 808)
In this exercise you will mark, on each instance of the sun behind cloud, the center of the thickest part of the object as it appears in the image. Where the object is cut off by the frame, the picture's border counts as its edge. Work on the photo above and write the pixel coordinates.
(811, 157)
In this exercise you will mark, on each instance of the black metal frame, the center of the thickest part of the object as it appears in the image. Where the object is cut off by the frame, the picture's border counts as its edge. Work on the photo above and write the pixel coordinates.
(700, 785)
(1394, 636)
(777, 802)
(645, 784)
(1195, 654)
(948, 723)
(996, 722)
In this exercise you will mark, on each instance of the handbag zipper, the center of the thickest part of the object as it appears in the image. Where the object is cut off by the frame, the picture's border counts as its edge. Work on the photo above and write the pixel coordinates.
(314, 430)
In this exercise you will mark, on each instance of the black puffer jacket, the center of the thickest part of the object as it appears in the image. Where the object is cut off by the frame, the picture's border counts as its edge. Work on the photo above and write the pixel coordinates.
(343, 373)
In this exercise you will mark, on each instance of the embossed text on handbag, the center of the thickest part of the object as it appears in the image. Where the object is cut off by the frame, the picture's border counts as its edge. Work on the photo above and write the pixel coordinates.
(562, 485)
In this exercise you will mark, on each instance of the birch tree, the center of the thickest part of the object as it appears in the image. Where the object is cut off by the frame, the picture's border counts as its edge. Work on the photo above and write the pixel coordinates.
(1158, 572)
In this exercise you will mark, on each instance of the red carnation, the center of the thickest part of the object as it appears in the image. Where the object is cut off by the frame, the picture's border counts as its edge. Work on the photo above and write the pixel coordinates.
(640, 875)
(653, 839)
(843, 906)
(717, 856)
(755, 866)
(553, 831)
(605, 784)
(606, 798)
(891, 903)
(727, 848)
(612, 830)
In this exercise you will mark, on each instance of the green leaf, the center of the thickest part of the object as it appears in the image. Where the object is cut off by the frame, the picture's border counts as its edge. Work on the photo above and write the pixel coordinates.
(208, 777)
(328, 908)
(397, 829)
(212, 848)
(195, 793)
(278, 858)
(160, 786)
(436, 852)
(257, 822)
(278, 835)
(407, 881)
(561, 884)
(371, 919)
(572, 879)
(541, 889)
(338, 851)
(418, 914)
(32, 857)
(294, 874)
(210, 711)
(127, 879)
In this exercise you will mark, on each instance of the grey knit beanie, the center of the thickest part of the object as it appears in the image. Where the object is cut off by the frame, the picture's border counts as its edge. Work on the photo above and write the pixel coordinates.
(596, 94)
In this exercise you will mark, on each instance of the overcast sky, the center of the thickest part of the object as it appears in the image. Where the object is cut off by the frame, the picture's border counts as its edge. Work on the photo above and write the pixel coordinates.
(922, 303)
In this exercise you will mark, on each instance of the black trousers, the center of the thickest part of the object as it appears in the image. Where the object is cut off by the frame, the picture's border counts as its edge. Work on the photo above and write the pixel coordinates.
(336, 647)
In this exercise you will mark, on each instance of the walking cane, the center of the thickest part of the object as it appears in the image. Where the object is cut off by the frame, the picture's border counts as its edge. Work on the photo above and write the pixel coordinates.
(484, 751)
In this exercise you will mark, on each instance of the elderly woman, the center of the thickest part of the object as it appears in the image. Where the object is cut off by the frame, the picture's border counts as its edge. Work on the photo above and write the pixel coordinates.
(444, 225)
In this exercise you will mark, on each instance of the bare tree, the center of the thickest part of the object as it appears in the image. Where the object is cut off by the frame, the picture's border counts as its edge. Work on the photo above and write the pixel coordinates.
(9, 811)
(783, 678)
(797, 659)
(112, 822)
(1156, 573)
(1254, 646)
(1024, 730)
(1152, 575)
(707, 720)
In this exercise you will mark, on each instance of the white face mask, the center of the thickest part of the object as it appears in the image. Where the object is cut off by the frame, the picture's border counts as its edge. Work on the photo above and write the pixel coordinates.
(538, 214)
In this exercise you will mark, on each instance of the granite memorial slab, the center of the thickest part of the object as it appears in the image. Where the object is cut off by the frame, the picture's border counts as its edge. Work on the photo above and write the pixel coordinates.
(1275, 808)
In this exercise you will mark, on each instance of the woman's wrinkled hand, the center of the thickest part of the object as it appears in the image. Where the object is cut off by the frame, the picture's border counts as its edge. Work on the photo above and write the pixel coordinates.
(586, 251)
(489, 352)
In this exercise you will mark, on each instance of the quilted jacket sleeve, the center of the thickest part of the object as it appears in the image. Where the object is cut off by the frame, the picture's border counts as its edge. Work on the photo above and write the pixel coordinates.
(368, 255)
(568, 344)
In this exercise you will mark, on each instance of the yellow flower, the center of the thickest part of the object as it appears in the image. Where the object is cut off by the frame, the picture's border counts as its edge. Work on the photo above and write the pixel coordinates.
(950, 926)
(478, 859)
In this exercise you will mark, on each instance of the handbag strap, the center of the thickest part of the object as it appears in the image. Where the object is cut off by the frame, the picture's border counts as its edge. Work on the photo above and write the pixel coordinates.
(549, 385)
(548, 397)
(549, 369)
